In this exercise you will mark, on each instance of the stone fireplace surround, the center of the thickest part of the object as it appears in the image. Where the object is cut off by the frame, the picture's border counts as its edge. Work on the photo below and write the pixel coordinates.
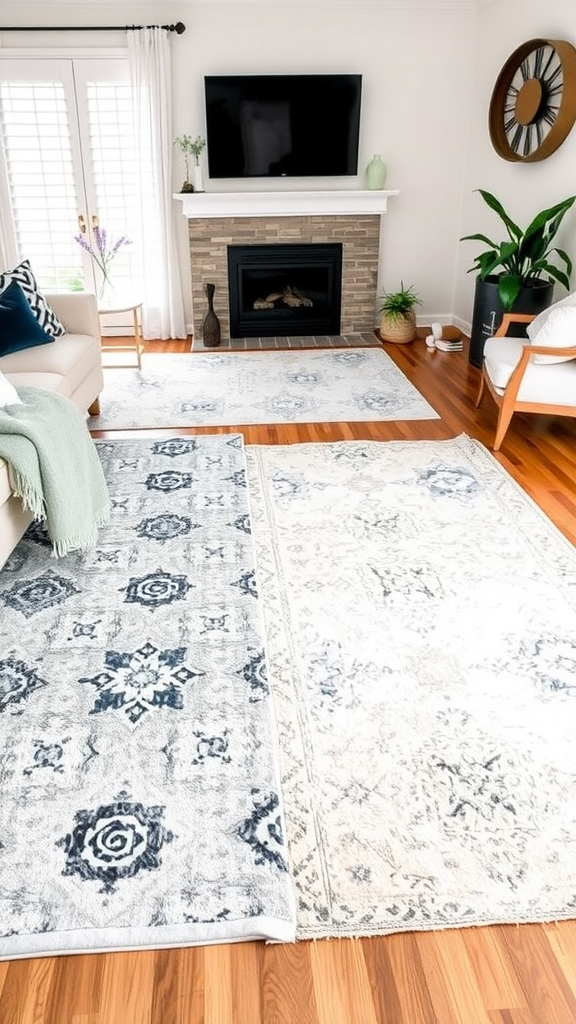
(216, 220)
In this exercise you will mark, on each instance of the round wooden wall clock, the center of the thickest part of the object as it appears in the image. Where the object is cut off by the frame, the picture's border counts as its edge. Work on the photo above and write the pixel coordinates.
(533, 105)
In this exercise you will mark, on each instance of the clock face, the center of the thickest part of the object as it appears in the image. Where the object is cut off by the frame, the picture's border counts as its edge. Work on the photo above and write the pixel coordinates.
(533, 105)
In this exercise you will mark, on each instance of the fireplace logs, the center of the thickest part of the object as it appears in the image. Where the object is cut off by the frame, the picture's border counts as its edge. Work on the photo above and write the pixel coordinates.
(290, 296)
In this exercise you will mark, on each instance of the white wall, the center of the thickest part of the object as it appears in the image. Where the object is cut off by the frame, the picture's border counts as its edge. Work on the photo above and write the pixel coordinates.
(523, 188)
(428, 69)
(416, 68)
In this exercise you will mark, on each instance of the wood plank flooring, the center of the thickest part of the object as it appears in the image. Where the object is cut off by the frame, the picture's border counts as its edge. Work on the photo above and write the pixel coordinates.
(494, 975)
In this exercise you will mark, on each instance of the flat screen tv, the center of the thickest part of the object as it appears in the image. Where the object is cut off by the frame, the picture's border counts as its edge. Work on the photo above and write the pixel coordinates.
(277, 126)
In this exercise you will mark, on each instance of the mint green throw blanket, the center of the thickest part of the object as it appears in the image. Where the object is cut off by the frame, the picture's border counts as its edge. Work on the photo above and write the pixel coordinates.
(54, 467)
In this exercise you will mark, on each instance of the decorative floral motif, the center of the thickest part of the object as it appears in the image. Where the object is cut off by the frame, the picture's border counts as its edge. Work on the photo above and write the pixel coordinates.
(215, 747)
(48, 755)
(175, 446)
(156, 589)
(449, 481)
(379, 402)
(352, 358)
(263, 832)
(304, 377)
(478, 788)
(247, 583)
(201, 405)
(138, 681)
(288, 406)
(17, 682)
(238, 478)
(169, 480)
(164, 527)
(32, 596)
(551, 661)
(114, 842)
(255, 673)
(242, 522)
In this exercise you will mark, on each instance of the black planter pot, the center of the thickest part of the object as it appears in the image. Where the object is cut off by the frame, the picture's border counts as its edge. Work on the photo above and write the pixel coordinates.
(487, 313)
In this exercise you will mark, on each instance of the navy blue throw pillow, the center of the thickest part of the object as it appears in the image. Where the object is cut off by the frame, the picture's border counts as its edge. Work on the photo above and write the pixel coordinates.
(19, 327)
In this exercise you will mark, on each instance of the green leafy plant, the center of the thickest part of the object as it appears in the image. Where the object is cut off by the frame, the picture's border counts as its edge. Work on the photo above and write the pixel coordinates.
(396, 305)
(190, 147)
(525, 257)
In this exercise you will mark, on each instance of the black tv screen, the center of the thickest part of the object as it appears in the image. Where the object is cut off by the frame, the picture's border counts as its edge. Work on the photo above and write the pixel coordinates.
(276, 126)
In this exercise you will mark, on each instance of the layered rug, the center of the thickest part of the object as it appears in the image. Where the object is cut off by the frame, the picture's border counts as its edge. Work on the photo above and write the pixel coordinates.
(223, 389)
(420, 614)
(138, 760)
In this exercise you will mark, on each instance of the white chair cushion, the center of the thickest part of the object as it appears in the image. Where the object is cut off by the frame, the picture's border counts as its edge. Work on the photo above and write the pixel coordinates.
(553, 384)
(558, 330)
(8, 393)
(538, 322)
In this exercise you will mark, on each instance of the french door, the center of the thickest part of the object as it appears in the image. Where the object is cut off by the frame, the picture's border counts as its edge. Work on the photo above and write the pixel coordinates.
(68, 137)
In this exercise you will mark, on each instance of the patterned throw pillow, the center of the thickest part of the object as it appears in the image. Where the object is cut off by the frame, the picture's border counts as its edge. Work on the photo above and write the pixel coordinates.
(19, 328)
(45, 316)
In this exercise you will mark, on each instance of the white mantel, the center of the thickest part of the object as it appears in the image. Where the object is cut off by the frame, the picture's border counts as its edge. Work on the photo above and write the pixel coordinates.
(283, 204)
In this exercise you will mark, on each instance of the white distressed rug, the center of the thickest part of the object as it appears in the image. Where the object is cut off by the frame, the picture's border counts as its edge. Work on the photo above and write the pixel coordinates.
(223, 389)
(420, 614)
(140, 800)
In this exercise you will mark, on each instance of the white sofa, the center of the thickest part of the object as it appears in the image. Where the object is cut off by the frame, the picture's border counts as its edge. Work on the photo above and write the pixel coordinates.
(71, 365)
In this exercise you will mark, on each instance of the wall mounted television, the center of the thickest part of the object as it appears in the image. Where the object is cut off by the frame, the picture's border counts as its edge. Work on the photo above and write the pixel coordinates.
(276, 126)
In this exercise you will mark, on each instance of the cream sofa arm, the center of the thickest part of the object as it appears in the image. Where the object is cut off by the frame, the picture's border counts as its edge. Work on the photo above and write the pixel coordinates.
(77, 311)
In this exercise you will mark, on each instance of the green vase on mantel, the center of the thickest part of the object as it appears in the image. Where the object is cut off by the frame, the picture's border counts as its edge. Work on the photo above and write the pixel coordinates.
(376, 172)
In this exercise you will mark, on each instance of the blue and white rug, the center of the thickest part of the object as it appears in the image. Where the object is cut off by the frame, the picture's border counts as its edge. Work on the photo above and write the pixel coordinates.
(420, 618)
(140, 799)
(231, 389)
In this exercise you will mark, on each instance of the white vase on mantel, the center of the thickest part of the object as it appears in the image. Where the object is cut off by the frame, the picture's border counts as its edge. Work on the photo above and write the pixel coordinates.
(197, 178)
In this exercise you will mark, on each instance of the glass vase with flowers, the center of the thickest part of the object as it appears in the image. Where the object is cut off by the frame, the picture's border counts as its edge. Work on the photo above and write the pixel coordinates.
(102, 250)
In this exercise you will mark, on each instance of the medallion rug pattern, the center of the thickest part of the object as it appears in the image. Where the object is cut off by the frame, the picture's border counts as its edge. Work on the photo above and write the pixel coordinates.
(138, 763)
(223, 389)
(420, 618)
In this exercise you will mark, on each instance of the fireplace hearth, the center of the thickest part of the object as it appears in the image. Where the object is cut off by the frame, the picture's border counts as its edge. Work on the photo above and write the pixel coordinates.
(285, 289)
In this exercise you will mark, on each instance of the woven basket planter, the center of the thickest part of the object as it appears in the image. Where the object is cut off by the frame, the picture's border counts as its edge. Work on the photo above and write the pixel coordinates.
(399, 329)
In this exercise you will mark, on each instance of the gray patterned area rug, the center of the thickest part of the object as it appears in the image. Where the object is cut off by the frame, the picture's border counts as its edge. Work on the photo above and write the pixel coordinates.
(140, 800)
(223, 389)
(420, 615)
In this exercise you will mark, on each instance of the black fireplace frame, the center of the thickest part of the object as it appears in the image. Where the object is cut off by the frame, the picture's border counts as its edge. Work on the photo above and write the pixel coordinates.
(273, 258)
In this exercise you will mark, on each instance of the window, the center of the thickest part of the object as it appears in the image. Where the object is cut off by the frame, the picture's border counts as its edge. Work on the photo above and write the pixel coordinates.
(68, 134)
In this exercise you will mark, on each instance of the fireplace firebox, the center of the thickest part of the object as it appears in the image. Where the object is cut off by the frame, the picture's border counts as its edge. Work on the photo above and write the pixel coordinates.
(284, 289)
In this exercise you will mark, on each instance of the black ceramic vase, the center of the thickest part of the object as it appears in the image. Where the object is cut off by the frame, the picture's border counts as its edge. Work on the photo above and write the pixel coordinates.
(211, 327)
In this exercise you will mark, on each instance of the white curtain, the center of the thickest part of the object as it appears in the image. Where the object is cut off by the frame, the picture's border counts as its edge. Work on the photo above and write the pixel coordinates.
(8, 249)
(149, 58)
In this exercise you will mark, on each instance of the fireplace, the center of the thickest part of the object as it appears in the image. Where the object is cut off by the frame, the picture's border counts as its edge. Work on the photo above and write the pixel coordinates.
(350, 219)
(293, 289)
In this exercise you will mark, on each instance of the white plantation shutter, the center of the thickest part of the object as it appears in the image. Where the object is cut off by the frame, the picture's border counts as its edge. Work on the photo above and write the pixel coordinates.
(68, 136)
(42, 171)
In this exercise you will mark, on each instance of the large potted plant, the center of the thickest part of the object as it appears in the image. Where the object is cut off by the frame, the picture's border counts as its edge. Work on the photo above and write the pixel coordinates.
(398, 315)
(517, 274)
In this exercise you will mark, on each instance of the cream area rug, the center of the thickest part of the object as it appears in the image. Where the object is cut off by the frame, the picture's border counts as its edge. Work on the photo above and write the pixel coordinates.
(420, 614)
(220, 389)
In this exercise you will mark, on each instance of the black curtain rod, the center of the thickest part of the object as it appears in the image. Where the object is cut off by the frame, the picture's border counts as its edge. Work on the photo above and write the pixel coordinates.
(178, 28)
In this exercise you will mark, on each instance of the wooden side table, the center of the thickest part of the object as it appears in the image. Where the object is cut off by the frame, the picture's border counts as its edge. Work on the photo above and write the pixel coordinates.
(123, 306)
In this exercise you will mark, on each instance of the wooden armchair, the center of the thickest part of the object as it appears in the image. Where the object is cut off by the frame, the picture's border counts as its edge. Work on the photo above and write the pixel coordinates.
(523, 376)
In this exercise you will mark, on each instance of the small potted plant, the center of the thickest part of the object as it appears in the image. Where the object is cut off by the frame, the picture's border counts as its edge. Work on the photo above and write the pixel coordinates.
(191, 147)
(398, 315)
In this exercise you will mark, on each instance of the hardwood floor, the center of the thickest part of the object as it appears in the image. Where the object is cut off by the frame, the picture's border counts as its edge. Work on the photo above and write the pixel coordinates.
(494, 975)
